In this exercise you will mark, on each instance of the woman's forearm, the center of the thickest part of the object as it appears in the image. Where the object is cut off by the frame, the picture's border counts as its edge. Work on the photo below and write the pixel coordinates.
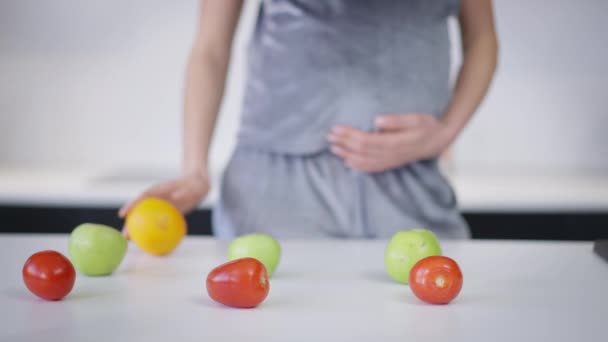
(480, 55)
(472, 84)
(205, 81)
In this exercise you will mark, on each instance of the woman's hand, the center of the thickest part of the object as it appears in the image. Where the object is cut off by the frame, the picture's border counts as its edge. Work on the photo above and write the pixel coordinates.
(402, 139)
(185, 193)
(399, 140)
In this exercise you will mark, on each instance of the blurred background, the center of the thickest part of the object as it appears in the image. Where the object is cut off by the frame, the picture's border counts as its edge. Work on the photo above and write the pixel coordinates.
(91, 96)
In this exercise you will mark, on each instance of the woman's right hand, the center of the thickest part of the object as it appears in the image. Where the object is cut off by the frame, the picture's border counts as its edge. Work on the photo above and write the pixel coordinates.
(185, 193)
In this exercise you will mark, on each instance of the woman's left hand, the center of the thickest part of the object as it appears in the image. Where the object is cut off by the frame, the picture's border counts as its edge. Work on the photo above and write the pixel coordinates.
(399, 140)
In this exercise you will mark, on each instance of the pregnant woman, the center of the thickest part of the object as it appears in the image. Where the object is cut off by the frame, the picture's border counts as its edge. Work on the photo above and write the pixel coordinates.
(348, 105)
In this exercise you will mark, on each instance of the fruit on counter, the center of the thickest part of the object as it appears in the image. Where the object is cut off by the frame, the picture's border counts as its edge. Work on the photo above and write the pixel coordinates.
(156, 226)
(240, 283)
(406, 248)
(96, 249)
(49, 275)
(260, 246)
(436, 279)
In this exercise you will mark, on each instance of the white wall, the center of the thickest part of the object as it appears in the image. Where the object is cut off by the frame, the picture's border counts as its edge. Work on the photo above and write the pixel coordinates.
(98, 83)
(548, 106)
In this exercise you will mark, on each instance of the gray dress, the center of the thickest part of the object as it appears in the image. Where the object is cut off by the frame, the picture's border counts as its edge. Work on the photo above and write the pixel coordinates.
(313, 64)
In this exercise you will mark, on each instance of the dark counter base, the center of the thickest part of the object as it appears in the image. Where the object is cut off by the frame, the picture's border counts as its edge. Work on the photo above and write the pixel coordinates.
(514, 225)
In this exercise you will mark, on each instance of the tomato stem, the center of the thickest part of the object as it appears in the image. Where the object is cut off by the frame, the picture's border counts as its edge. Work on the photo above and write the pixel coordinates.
(440, 281)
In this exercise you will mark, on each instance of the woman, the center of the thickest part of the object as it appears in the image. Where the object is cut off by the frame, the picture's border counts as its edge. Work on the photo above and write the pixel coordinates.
(347, 106)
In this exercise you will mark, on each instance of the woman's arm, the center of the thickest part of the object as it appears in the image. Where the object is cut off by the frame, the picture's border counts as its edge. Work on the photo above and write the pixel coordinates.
(205, 80)
(204, 88)
(403, 139)
(480, 56)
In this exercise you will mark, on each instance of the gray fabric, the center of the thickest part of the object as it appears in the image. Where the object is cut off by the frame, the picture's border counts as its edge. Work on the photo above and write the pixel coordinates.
(316, 63)
(317, 196)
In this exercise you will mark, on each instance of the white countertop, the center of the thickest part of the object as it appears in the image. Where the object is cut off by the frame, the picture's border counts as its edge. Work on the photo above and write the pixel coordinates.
(63, 186)
(481, 191)
(513, 291)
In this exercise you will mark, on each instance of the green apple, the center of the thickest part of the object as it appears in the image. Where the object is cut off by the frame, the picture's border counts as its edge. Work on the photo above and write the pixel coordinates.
(262, 247)
(96, 249)
(406, 248)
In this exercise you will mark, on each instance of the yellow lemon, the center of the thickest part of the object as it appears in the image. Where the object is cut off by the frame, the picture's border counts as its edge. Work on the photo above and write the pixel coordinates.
(156, 226)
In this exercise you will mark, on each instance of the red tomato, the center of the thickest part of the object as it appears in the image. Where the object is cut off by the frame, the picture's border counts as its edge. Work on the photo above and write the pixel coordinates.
(436, 279)
(49, 275)
(241, 283)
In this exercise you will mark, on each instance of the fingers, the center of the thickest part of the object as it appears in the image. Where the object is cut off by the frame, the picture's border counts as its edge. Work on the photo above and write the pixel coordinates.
(356, 160)
(183, 193)
(160, 190)
(400, 139)
(407, 129)
(122, 213)
(125, 209)
(376, 152)
(360, 142)
(125, 233)
(348, 156)
(360, 150)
